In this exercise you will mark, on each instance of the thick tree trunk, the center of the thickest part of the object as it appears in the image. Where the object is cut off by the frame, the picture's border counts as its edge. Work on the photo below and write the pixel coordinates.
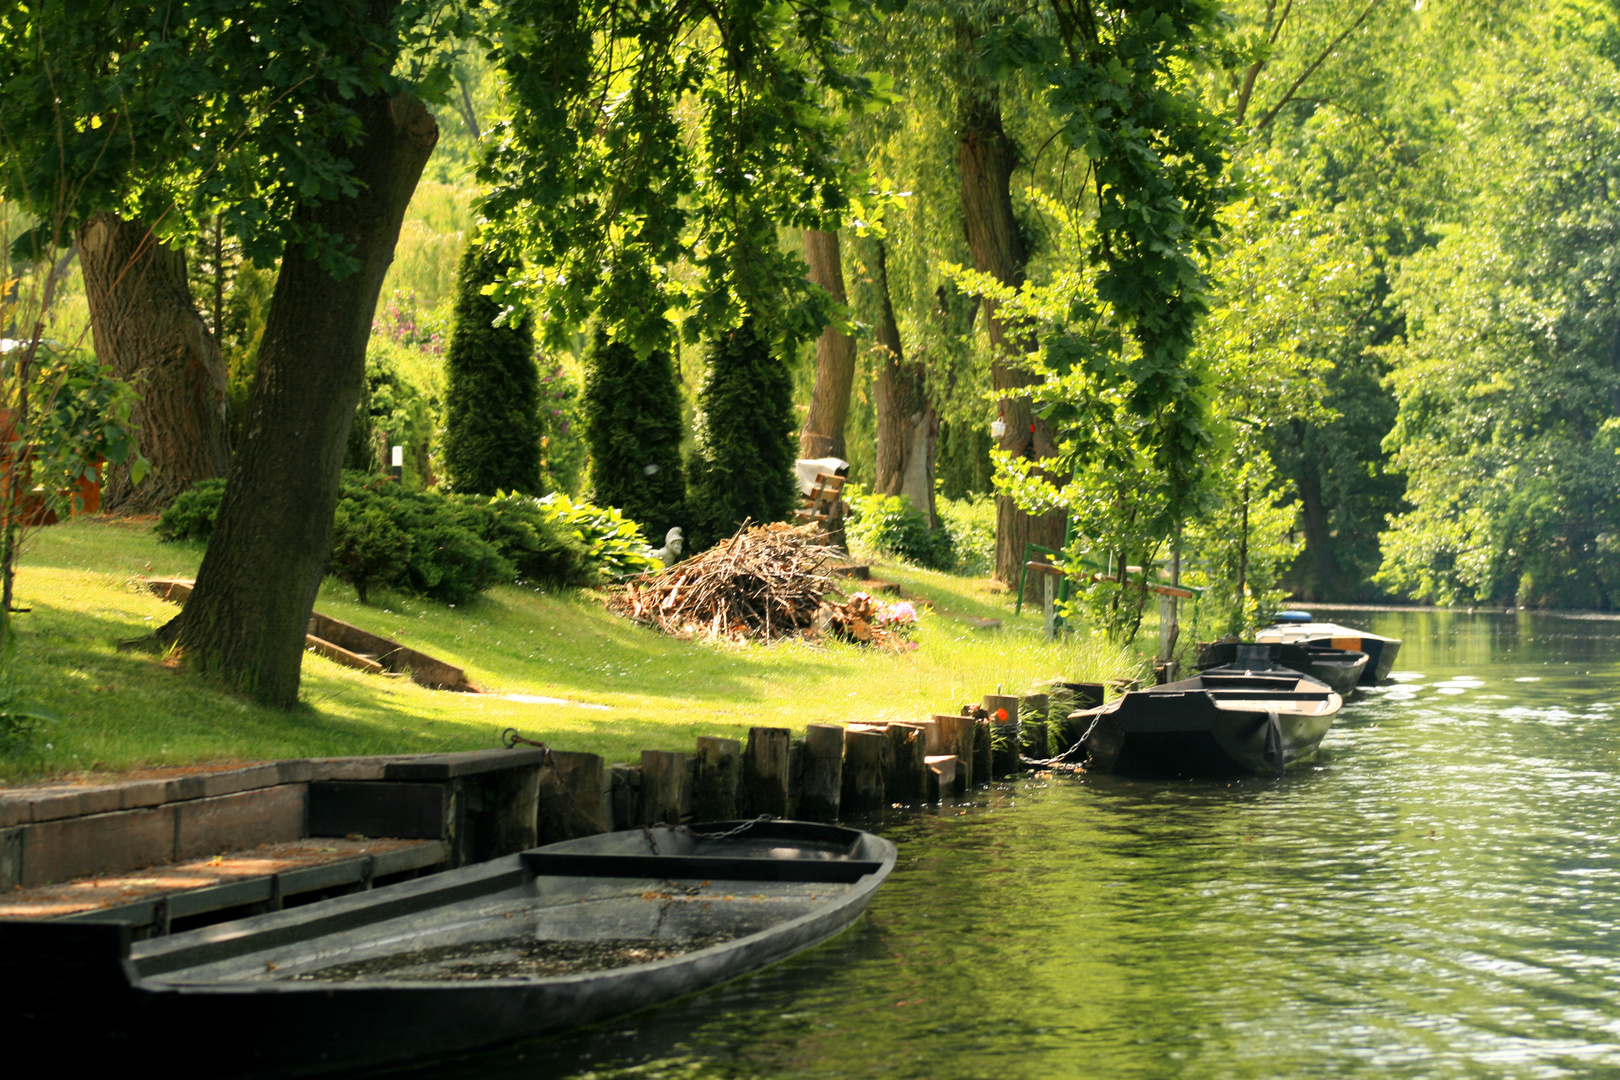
(986, 158)
(246, 619)
(147, 329)
(1322, 567)
(823, 434)
(906, 422)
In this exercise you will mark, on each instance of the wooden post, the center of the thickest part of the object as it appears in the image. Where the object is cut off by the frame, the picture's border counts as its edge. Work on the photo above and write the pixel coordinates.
(941, 776)
(571, 798)
(822, 779)
(1049, 605)
(956, 740)
(906, 779)
(930, 730)
(862, 789)
(983, 756)
(714, 789)
(626, 780)
(765, 772)
(662, 772)
(1003, 712)
(1032, 712)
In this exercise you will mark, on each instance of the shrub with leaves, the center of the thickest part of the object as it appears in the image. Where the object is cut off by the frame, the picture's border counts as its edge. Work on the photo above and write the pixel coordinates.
(395, 409)
(191, 516)
(613, 543)
(367, 547)
(532, 537)
(971, 524)
(632, 414)
(891, 525)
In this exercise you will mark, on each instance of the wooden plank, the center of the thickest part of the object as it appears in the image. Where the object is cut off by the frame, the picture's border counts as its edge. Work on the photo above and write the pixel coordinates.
(862, 788)
(718, 772)
(822, 778)
(626, 796)
(765, 772)
(338, 654)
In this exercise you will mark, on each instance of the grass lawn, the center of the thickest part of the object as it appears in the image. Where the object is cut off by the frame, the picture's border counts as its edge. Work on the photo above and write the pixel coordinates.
(122, 711)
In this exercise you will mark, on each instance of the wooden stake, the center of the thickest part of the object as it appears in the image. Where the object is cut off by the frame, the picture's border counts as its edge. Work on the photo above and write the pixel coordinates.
(941, 776)
(956, 740)
(1003, 712)
(862, 788)
(1032, 711)
(714, 788)
(905, 780)
(765, 772)
(626, 795)
(662, 772)
(982, 754)
(822, 780)
(574, 798)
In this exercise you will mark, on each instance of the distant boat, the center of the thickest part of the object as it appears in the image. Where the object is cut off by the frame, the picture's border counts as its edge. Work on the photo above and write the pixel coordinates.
(1224, 721)
(1298, 628)
(538, 942)
(1341, 669)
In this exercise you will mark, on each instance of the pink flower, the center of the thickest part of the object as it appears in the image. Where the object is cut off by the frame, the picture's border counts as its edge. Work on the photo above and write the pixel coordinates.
(901, 612)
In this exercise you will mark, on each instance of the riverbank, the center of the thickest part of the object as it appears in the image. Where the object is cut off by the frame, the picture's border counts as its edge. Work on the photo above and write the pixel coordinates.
(556, 666)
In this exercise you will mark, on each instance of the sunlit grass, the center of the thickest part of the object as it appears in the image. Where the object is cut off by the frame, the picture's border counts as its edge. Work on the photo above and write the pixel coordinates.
(126, 710)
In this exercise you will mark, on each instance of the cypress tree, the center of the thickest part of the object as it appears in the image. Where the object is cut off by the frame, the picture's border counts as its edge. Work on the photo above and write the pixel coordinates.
(632, 419)
(743, 463)
(492, 422)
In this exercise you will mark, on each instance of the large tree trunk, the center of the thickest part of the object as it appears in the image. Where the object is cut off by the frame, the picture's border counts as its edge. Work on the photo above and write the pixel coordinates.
(246, 619)
(906, 422)
(986, 158)
(823, 434)
(147, 329)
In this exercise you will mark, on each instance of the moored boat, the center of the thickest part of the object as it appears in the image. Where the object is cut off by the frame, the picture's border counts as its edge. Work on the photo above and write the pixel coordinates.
(1299, 628)
(1223, 721)
(538, 942)
(1341, 669)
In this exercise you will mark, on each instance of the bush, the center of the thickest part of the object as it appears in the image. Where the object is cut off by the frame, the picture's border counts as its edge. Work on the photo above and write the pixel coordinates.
(742, 467)
(892, 525)
(367, 547)
(632, 414)
(613, 543)
(191, 516)
(396, 409)
(532, 538)
(971, 523)
(492, 425)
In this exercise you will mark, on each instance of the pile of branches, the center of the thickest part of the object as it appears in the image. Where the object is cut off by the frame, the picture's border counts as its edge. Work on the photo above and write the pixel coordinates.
(765, 582)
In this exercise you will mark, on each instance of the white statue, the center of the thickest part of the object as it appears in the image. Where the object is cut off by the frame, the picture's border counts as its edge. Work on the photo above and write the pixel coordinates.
(670, 553)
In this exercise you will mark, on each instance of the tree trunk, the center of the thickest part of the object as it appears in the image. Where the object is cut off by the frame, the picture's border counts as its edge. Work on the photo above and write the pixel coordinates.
(245, 621)
(147, 329)
(986, 158)
(823, 434)
(906, 422)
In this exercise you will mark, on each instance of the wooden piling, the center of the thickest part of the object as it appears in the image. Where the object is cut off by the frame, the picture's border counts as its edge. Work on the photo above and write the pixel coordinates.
(862, 789)
(956, 740)
(1032, 712)
(905, 779)
(941, 776)
(714, 785)
(765, 772)
(994, 704)
(662, 774)
(983, 754)
(626, 796)
(822, 777)
(575, 799)
(1005, 726)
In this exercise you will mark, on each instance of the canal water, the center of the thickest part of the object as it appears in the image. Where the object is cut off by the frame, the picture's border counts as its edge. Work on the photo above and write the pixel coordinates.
(1438, 896)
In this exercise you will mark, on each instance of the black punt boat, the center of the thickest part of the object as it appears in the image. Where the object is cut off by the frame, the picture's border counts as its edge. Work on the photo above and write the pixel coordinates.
(1223, 721)
(538, 942)
(1298, 628)
(1341, 669)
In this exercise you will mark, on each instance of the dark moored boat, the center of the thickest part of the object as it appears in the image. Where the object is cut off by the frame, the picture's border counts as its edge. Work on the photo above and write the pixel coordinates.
(532, 943)
(1297, 628)
(1340, 668)
(1220, 722)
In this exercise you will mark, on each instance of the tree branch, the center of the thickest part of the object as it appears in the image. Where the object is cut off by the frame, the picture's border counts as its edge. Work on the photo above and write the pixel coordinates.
(1271, 114)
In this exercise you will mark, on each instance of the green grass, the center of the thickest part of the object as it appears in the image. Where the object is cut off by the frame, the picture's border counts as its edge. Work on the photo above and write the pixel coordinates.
(120, 711)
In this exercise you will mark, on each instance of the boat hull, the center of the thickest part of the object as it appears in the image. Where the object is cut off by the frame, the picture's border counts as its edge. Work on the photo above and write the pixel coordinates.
(1340, 669)
(1381, 651)
(277, 995)
(1193, 729)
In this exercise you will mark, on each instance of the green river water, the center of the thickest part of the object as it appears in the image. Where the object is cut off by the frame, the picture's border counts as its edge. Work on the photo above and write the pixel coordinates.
(1437, 896)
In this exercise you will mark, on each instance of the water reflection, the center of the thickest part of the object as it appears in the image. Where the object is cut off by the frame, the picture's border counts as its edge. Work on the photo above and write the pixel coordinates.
(1438, 896)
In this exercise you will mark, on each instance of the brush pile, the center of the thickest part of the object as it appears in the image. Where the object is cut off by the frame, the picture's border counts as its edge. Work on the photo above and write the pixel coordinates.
(765, 582)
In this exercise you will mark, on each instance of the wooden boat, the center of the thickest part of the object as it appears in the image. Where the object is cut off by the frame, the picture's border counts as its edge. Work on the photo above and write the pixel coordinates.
(1340, 668)
(538, 942)
(1298, 628)
(1223, 721)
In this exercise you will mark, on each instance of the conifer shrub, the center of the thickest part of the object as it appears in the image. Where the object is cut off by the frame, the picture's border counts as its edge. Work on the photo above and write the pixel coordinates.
(492, 423)
(742, 466)
(368, 546)
(191, 516)
(632, 420)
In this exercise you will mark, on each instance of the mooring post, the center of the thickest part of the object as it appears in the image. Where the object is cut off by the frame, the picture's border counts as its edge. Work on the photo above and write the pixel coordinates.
(941, 776)
(626, 781)
(765, 772)
(571, 798)
(662, 773)
(1032, 713)
(1004, 747)
(906, 778)
(983, 752)
(822, 779)
(714, 788)
(956, 740)
(862, 788)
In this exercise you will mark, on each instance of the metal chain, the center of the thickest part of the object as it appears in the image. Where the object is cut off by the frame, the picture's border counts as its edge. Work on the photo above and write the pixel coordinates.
(744, 827)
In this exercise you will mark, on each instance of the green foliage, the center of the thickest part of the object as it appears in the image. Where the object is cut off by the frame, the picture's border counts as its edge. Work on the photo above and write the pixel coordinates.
(21, 722)
(563, 451)
(492, 423)
(80, 416)
(533, 537)
(614, 545)
(395, 409)
(414, 540)
(368, 546)
(191, 516)
(742, 465)
(632, 424)
(892, 525)
(971, 524)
